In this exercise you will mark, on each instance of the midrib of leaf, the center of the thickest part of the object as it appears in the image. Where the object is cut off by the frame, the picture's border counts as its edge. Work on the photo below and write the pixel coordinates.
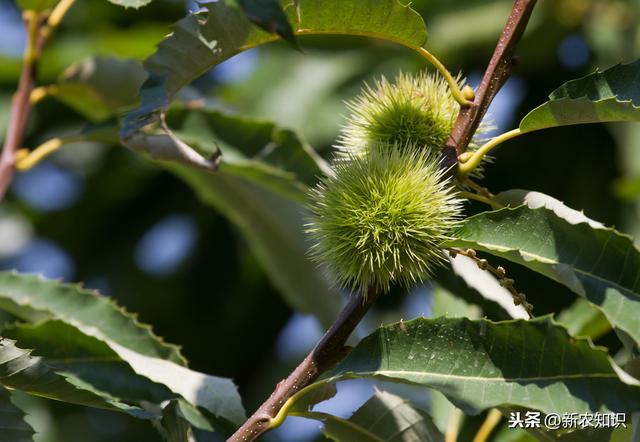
(427, 375)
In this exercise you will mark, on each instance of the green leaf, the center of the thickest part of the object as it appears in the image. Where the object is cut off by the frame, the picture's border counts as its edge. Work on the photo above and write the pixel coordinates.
(21, 371)
(384, 417)
(274, 229)
(13, 427)
(256, 150)
(131, 3)
(36, 5)
(66, 349)
(584, 319)
(493, 298)
(145, 353)
(482, 364)
(95, 315)
(201, 41)
(595, 262)
(173, 426)
(100, 87)
(612, 95)
(268, 14)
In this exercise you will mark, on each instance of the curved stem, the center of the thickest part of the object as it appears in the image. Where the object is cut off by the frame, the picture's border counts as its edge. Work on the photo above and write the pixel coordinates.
(26, 162)
(279, 418)
(453, 84)
(483, 199)
(469, 161)
(58, 13)
(490, 422)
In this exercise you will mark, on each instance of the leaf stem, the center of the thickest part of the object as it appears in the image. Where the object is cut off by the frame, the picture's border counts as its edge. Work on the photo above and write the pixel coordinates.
(26, 160)
(279, 418)
(456, 92)
(468, 161)
(490, 422)
(58, 13)
(483, 199)
(330, 350)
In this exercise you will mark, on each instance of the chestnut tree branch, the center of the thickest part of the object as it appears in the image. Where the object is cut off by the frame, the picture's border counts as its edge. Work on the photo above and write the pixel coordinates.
(330, 350)
(494, 78)
(20, 104)
(40, 27)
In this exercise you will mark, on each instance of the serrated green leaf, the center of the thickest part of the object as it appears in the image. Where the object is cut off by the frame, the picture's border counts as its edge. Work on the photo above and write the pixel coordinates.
(257, 150)
(20, 370)
(482, 364)
(148, 356)
(598, 263)
(384, 417)
(584, 319)
(99, 87)
(268, 14)
(66, 349)
(131, 3)
(96, 315)
(13, 427)
(36, 5)
(201, 41)
(612, 95)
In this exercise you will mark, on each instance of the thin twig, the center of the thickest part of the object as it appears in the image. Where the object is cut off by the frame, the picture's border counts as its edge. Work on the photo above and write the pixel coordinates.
(20, 105)
(328, 352)
(494, 78)
(500, 273)
(39, 30)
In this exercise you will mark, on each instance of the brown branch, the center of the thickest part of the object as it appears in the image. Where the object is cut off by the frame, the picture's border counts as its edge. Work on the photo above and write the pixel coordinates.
(20, 104)
(330, 350)
(494, 78)
(39, 30)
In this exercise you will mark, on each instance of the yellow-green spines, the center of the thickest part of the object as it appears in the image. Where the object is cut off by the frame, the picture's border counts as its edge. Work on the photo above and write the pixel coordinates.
(416, 109)
(382, 217)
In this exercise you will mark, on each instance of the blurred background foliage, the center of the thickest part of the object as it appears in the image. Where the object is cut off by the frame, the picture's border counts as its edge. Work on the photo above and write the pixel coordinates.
(97, 213)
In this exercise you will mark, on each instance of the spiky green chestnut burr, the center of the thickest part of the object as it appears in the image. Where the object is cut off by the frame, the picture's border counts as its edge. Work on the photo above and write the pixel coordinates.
(382, 217)
(415, 109)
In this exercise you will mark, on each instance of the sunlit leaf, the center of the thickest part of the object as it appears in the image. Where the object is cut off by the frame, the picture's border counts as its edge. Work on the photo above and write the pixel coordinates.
(482, 364)
(612, 95)
(201, 41)
(595, 262)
